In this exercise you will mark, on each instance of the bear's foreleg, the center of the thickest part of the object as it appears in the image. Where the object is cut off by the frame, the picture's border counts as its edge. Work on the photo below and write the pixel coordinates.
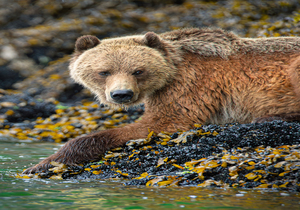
(91, 147)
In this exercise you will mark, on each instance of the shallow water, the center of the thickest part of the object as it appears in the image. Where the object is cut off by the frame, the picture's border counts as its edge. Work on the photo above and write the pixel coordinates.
(99, 194)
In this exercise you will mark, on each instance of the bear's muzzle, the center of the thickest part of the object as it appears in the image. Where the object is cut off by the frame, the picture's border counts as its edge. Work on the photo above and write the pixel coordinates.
(121, 96)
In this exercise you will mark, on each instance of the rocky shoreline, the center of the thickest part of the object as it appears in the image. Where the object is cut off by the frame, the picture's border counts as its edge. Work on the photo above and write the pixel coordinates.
(261, 156)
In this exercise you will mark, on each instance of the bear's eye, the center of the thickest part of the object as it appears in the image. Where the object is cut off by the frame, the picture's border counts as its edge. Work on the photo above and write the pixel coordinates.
(138, 72)
(104, 73)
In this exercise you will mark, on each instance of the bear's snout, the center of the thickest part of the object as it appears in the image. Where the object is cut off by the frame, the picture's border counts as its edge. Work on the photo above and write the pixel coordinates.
(121, 96)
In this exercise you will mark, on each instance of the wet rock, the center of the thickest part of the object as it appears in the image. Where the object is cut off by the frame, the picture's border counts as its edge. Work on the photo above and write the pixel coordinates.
(9, 77)
(21, 107)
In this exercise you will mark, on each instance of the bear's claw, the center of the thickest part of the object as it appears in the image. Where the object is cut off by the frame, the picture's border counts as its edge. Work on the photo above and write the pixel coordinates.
(38, 168)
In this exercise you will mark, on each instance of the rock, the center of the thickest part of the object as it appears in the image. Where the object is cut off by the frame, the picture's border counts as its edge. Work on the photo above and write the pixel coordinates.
(8, 52)
(8, 77)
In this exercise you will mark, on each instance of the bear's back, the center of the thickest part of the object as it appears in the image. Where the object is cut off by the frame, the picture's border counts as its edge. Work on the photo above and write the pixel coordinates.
(217, 42)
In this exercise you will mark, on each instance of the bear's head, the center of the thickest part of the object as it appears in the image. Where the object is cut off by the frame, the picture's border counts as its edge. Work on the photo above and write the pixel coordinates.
(123, 71)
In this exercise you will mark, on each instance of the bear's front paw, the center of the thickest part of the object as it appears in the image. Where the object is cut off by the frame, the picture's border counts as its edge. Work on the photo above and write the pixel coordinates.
(47, 163)
(41, 167)
(77, 151)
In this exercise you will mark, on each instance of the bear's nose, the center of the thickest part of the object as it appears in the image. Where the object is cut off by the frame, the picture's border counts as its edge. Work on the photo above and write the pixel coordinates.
(121, 96)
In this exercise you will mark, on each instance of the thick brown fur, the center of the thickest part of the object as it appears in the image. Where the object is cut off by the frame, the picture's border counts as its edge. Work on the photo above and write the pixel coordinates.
(184, 77)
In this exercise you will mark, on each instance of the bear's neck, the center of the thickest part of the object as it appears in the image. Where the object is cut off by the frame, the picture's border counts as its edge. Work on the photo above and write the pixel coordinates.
(183, 100)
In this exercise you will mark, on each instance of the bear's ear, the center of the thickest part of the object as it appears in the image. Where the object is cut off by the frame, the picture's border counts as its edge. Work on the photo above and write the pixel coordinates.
(152, 40)
(86, 42)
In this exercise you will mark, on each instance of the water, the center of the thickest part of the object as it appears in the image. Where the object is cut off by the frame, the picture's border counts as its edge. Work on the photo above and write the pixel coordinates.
(99, 194)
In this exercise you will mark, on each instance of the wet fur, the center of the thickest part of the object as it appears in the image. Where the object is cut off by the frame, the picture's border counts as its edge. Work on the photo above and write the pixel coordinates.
(191, 76)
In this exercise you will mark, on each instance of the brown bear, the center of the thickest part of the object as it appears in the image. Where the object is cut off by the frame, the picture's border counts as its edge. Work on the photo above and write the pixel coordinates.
(183, 77)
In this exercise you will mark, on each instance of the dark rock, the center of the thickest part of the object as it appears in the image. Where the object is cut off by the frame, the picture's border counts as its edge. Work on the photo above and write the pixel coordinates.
(8, 77)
